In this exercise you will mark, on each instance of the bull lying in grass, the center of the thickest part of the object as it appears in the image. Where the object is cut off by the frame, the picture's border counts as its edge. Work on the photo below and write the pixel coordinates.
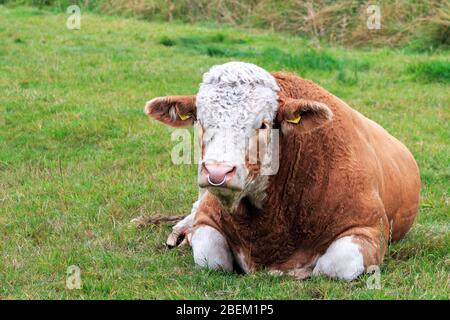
(343, 189)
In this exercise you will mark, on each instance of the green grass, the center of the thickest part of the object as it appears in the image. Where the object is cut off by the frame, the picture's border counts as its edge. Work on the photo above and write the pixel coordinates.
(78, 158)
(219, 45)
(431, 71)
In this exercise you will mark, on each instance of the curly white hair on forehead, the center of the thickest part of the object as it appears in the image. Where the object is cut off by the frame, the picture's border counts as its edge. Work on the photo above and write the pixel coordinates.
(237, 95)
(239, 73)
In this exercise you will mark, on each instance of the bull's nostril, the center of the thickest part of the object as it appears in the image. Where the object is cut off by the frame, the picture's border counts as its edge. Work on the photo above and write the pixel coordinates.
(217, 173)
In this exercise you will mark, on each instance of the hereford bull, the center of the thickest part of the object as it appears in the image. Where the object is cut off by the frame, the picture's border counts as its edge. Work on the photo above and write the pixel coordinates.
(344, 187)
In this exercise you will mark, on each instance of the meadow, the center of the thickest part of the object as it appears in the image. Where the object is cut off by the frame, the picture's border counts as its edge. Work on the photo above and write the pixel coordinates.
(79, 159)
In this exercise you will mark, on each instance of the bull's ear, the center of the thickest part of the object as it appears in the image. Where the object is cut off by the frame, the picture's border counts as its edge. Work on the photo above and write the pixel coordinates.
(306, 115)
(175, 111)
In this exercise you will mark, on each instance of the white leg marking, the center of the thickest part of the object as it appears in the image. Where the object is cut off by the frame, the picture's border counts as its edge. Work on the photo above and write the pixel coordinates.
(187, 222)
(182, 230)
(211, 249)
(342, 260)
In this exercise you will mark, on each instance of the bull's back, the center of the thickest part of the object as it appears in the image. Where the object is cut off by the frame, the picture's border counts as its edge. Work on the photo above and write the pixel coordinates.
(397, 174)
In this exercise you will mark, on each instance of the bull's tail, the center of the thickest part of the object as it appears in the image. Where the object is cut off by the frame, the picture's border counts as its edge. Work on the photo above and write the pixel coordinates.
(145, 220)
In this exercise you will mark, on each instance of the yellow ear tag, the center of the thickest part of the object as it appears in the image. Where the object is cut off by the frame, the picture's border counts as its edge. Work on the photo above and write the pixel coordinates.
(296, 120)
(184, 117)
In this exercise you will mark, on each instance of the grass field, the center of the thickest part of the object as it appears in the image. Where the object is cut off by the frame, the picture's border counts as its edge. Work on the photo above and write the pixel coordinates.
(79, 159)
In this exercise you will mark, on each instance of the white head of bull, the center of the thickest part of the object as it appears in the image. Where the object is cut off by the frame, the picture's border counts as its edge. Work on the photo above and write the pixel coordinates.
(236, 111)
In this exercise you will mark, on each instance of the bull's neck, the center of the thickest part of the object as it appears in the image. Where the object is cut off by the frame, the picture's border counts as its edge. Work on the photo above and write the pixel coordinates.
(305, 164)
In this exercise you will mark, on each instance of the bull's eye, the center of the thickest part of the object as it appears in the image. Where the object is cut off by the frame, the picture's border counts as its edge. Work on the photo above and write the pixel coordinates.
(263, 126)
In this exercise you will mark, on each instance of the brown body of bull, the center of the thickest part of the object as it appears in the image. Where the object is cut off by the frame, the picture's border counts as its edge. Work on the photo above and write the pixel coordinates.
(349, 177)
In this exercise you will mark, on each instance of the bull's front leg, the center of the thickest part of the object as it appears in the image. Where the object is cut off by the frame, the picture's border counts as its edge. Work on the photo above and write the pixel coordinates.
(181, 232)
(211, 249)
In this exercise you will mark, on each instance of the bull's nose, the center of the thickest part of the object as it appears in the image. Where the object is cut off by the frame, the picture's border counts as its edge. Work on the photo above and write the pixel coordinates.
(217, 173)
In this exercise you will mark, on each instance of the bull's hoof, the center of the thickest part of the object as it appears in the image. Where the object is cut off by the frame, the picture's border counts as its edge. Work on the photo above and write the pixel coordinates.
(174, 240)
(178, 238)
